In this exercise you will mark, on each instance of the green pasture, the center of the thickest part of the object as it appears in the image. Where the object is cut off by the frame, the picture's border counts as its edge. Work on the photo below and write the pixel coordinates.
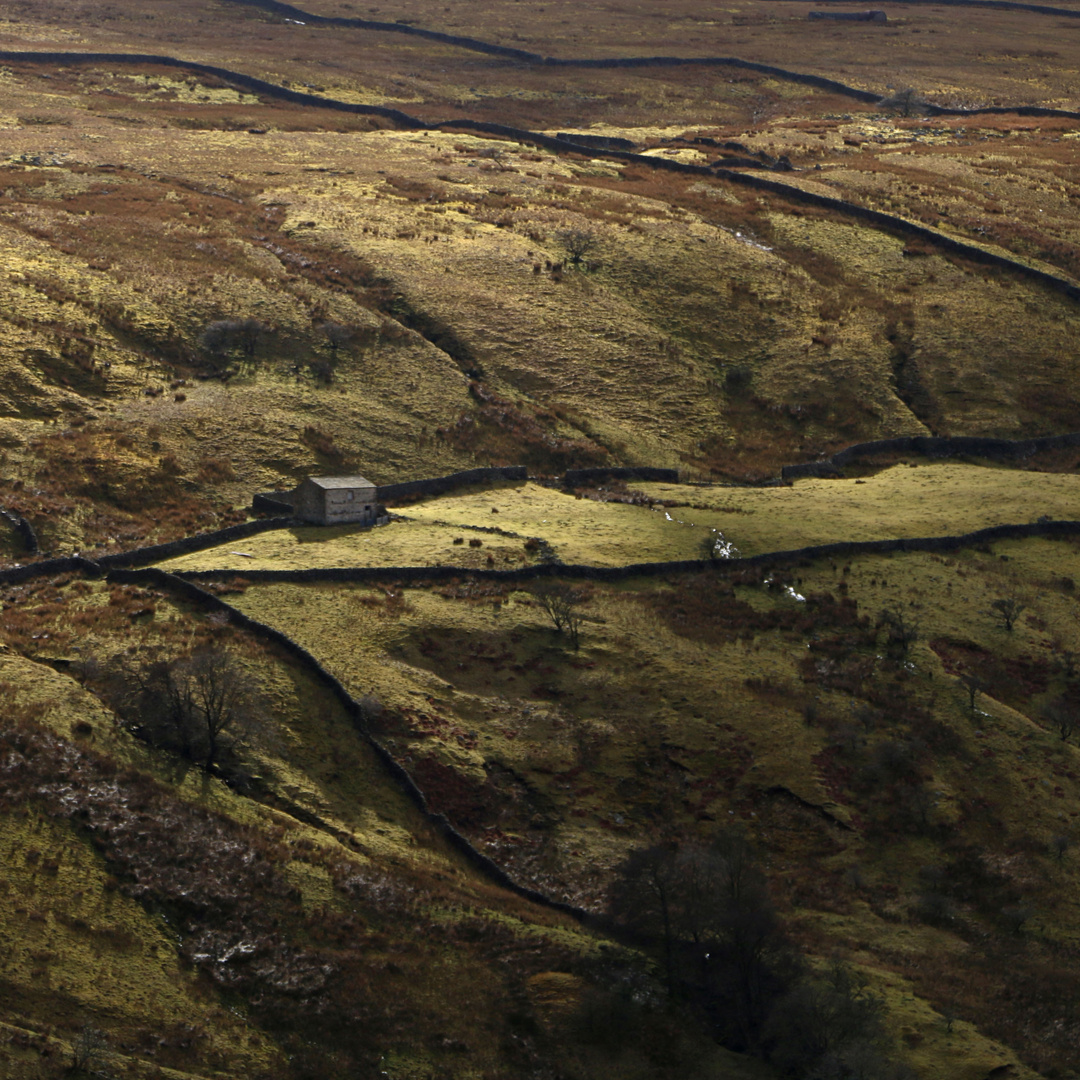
(938, 499)
(401, 543)
(933, 499)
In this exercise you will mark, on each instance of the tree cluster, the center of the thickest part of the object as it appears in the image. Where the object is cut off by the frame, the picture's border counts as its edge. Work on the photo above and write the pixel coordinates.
(226, 337)
(192, 707)
(706, 911)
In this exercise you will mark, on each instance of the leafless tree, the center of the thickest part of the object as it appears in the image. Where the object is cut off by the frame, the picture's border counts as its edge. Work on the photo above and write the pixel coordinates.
(1008, 609)
(561, 604)
(225, 336)
(188, 705)
(975, 685)
(708, 908)
(497, 155)
(216, 692)
(577, 243)
(88, 1050)
(645, 898)
(906, 102)
(901, 630)
(1063, 716)
(1015, 916)
(868, 716)
(250, 332)
(337, 335)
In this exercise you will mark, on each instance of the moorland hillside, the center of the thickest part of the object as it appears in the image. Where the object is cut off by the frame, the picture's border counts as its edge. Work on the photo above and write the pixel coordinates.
(417, 824)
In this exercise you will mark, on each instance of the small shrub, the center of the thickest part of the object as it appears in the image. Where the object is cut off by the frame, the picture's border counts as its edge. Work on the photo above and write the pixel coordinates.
(215, 470)
(323, 445)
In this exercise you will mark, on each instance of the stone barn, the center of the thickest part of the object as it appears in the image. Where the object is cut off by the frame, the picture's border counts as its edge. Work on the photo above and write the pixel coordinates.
(336, 500)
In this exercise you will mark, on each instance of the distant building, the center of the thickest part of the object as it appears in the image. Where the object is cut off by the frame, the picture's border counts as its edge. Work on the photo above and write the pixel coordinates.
(336, 500)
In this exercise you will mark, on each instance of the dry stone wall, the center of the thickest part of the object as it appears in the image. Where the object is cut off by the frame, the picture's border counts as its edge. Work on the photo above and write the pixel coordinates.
(934, 447)
(576, 477)
(74, 564)
(440, 484)
(1004, 5)
(201, 541)
(570, 571)
(875, 218)
(189, 591)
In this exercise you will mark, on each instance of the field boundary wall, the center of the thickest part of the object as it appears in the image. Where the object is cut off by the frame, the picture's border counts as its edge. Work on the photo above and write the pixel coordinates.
(74, 564)
(186, 587)
(273, 502)
(1004, 5)
(151, 576)
(439, 484)
(875, 218)
(157, 552)
(932, 447)
(576, 477)
(571, 571)
(359, 574)
(297, 15)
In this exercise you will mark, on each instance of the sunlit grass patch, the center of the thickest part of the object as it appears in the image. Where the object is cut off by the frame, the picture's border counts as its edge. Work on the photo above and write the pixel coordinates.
(935, 499)
(580, 530)
(401, 543)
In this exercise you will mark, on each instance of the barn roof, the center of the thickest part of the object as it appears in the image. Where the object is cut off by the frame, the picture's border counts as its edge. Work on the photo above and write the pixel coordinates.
(336, 482)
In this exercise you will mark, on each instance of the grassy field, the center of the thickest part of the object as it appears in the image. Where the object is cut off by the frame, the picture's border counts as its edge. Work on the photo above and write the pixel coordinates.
(402, 543)
(434, 254)
(344, 848)
(935, 499)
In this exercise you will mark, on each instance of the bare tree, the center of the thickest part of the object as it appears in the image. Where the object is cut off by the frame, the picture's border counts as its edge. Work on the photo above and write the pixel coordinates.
(188, 705)
(974, 684)
(577, 243)
(225, 336)
(1007, 609)
(1059, 844)
(561, 604)
(337, 335)
(868, 716)
(218, 692)
(832, 1026)
(708, 908)
(1015, 916)
(901, 630)
(645, 897)
(250, 332)
(88, 1050)
(215, 338)
(906, 102)
(1063, 716)
(497, 155)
